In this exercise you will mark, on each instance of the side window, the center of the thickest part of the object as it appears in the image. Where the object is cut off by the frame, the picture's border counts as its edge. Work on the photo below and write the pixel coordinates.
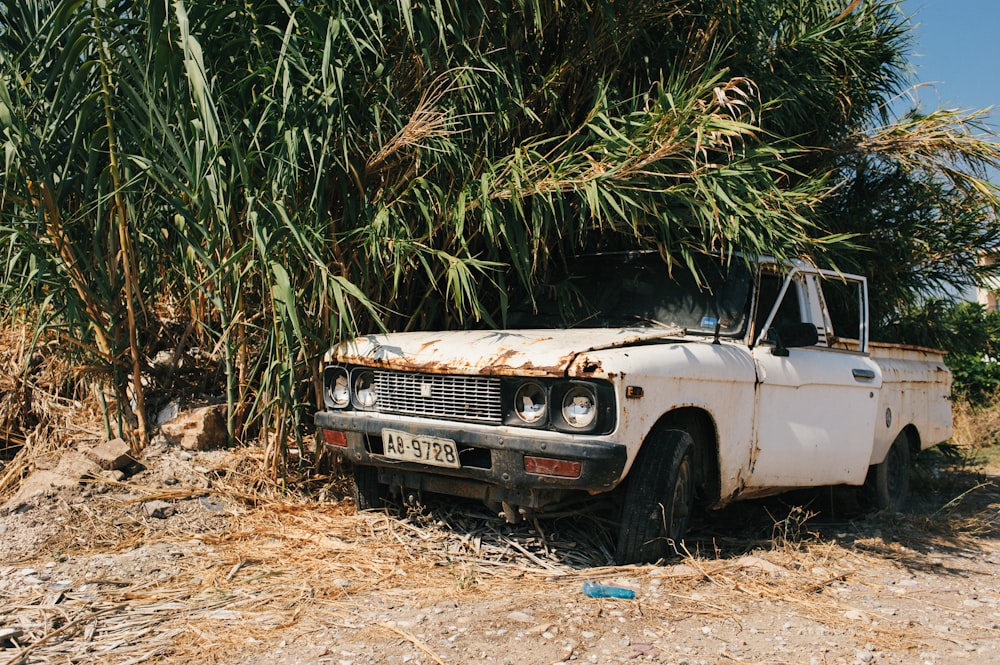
(788, 311)
(844, 303)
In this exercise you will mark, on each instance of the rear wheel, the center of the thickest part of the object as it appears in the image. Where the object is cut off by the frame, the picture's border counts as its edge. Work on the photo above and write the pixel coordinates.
(659, 497)
(369, 493)
(888, 484)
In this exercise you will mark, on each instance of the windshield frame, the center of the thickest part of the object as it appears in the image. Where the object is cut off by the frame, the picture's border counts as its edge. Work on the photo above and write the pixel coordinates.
(734, 284)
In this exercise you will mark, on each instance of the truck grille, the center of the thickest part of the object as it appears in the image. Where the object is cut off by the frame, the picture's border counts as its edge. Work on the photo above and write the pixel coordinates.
(455, 397)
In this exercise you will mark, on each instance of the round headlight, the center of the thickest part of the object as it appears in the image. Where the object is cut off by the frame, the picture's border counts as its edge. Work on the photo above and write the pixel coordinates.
(337, 393)
(529, 403)
(579, 407)
(365, 392)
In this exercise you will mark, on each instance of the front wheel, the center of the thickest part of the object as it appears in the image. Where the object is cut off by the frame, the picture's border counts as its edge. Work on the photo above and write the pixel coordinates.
(369, 493)
(888, 484)
(659, 497)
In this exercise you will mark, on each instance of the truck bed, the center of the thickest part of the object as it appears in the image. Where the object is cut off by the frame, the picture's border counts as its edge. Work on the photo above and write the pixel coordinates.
(916, 391)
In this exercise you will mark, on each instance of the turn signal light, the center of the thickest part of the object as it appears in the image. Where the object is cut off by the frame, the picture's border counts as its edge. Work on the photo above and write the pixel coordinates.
(333, 438)
(547, 466)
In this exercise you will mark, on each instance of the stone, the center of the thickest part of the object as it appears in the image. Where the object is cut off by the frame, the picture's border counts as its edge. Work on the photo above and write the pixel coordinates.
(163, 360)
(73, 467)
(113, 455)
(750, 561)
(521, 617)
(198, 429)
(539, 629)
(168, 413)
(212, 504)
(158, 509)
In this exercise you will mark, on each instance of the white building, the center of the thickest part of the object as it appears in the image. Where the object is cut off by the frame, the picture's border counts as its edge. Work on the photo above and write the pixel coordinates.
(987, 296)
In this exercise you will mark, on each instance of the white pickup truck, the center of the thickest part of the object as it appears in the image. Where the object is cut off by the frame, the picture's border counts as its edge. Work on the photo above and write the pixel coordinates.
(625, 376)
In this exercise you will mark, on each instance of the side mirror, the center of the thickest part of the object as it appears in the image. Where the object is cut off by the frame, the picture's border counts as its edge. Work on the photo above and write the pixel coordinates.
(791, 336)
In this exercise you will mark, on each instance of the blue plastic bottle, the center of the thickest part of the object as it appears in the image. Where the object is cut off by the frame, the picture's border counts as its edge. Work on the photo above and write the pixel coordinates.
(595, 590)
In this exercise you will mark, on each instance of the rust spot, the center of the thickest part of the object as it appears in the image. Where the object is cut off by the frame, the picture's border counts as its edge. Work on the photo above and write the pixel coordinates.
(430, 343)
(754, 454)
(504, 357)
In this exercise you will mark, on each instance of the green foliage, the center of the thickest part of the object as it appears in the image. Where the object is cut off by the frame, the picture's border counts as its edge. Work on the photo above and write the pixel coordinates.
(273, 176)
(976, 377)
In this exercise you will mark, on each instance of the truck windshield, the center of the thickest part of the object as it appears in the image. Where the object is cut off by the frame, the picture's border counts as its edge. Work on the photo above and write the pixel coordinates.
(638, 289)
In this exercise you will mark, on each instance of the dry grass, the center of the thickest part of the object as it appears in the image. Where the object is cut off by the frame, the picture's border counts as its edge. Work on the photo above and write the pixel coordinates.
(278, 568)
(27, 411)
(976, 427)
(45, 404)
(12, 394)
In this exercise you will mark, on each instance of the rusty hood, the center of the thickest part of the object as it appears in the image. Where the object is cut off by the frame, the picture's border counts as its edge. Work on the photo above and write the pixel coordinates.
(491, 352)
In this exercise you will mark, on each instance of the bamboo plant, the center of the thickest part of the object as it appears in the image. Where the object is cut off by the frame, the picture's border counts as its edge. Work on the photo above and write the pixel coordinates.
(260, 179)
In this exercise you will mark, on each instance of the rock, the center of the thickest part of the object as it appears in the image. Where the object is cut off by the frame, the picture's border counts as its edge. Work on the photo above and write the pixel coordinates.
(168, 413)
(212, 505)
(158, 509)
(113, 455)
(71, 470)
(539, 629)
(645, 650)
(162, 360)
(760, 564)
(199, 429)
(74, 467)
(521, 617)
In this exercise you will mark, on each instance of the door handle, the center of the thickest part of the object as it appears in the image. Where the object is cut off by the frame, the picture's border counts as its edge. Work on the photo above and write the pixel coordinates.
(863, 374)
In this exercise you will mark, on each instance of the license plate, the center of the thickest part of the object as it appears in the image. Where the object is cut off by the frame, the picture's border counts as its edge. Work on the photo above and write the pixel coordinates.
(418, 448)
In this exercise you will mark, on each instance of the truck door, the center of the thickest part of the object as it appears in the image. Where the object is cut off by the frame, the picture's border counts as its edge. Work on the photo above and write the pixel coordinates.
(816, 404)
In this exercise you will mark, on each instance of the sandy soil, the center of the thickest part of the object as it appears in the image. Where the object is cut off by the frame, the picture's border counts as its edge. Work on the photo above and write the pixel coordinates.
(186, 560)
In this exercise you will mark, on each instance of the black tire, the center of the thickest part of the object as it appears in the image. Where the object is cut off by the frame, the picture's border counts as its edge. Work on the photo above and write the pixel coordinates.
(369, 493)
(888, 484)
(659, 498)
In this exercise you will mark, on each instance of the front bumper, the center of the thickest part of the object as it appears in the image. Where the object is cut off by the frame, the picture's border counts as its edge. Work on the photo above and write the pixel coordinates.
(492, 458)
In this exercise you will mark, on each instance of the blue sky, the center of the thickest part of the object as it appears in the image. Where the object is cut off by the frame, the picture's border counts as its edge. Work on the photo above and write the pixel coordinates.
(956, 48)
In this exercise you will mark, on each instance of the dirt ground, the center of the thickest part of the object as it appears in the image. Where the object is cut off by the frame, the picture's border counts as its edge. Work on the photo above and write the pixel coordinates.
(186, 559)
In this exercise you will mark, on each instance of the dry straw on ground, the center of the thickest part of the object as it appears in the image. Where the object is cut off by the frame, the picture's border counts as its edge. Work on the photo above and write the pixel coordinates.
(273, 567)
